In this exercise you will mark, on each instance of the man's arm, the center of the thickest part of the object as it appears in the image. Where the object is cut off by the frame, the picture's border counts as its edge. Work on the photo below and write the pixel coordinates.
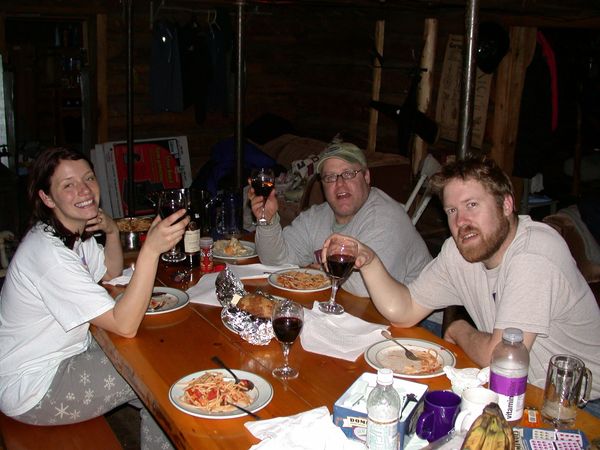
(391, 298)
(479, 345)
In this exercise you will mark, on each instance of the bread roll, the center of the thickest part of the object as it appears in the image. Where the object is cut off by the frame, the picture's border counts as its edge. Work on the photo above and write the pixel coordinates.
(257, 305)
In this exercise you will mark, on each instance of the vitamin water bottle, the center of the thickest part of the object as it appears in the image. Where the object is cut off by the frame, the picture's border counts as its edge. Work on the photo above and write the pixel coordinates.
(508, 373)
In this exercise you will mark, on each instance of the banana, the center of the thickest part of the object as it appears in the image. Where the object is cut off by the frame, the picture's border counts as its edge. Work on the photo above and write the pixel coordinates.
(474, 439)
(490, 431)
(494, 441)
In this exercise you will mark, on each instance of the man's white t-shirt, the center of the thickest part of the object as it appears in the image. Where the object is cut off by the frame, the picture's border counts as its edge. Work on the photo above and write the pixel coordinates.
(49, 296)
(537, 288)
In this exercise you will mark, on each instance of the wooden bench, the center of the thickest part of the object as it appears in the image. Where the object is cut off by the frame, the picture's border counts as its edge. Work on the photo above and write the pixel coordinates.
(94, 434)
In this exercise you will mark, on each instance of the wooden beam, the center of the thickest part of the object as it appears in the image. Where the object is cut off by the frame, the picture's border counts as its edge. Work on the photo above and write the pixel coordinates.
(101, 70)
(430, 34)
(510, 79)
(509, 89)
(376, 88)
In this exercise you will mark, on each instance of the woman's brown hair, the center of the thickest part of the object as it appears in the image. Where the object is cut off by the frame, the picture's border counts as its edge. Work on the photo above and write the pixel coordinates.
(40, 178)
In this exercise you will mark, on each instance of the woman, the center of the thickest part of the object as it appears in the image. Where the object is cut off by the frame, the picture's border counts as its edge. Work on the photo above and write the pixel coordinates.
(51, 370)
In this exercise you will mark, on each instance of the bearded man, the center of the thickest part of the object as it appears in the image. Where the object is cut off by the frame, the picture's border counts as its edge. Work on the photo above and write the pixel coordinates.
(506, 270)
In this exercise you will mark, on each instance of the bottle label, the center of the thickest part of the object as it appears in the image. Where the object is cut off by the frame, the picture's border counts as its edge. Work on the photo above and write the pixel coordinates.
(382, 435)
(191, 241)
(206, 259)
(511, 394)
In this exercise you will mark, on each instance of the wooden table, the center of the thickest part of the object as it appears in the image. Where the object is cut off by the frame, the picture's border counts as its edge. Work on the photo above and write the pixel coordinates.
(170, 346)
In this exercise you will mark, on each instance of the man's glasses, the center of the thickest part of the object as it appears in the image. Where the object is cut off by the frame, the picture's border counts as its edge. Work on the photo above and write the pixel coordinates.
(345, 175)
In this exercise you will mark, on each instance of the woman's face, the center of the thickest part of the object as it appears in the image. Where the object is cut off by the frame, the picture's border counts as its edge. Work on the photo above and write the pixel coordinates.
(74, 195)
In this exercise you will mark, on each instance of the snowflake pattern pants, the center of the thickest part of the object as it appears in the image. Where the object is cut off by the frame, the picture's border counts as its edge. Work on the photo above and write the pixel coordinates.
(87, 386)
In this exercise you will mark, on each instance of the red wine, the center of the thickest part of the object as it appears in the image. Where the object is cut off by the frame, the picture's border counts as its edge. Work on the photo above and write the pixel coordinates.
(167, 210)
(340, 266)
(262, 188)
(287, 329)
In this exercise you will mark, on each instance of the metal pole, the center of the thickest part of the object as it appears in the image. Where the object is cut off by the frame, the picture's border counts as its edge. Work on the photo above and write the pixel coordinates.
(468, 80)
(240, 78)
(130, 159)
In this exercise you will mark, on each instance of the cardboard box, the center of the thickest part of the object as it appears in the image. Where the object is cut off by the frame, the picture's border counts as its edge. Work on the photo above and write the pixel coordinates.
(160, 163)
(350, 410)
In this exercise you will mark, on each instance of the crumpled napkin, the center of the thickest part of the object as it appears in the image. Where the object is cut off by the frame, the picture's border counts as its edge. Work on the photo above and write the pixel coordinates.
(204, 291)
(125, 278)
(344, 336)
(309, 430)
(462, 379)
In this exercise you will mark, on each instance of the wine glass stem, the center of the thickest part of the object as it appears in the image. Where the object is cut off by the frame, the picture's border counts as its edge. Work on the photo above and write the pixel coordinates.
(285, 348)
(334, 289)
(262, 214)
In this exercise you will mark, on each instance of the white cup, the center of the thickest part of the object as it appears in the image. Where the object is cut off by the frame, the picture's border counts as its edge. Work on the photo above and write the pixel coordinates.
(473, 400)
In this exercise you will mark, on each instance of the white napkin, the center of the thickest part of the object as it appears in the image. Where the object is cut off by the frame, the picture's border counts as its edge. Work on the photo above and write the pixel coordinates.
(125, 278)
(310, 430)
(462, 379)
(204, 291)
(344, 336)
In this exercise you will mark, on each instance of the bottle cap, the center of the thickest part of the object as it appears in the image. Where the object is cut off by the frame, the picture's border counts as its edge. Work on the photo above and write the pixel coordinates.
(385, 376)
(206, 241)
(512, 335)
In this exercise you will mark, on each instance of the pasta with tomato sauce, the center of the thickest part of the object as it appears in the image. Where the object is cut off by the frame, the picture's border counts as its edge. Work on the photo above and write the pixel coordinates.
(213, 393)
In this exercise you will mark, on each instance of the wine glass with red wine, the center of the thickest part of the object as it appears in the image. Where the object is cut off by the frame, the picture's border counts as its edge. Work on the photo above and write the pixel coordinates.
(170, 201)
(341, 255)
(263, 182)
(287, 320)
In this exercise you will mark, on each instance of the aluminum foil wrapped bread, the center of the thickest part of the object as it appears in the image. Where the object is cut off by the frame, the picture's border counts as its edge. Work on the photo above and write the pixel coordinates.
(244, 313)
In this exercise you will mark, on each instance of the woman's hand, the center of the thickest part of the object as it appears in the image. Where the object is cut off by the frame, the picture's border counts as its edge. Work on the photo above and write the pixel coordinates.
(165, 233)
(364, 256)
(102, 222)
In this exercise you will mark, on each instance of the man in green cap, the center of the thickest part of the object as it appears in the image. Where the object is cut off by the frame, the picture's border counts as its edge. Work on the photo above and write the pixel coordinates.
(353, 208)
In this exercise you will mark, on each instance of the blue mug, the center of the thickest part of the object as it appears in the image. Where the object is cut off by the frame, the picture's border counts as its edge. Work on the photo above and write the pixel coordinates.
(438, 416)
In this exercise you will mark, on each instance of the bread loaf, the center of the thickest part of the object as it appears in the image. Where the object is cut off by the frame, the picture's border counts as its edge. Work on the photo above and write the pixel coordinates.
(257, 305)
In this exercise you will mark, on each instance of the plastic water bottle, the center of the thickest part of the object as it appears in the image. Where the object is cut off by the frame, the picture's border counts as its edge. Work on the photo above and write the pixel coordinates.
(383, 411)
(508, 373)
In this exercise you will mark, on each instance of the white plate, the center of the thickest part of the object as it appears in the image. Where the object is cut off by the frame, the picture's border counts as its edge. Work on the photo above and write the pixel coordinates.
(273, 280)
(249, 245)
(262, 393)
(387, 354)
(167, 299)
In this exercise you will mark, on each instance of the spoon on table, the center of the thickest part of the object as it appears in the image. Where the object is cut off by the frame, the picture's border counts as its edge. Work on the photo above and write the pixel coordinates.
(410, 355)
(246, 385)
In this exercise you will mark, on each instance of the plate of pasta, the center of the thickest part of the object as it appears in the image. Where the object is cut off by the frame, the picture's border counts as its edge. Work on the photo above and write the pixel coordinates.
(300, 280)
(211, 394)
(432, 358)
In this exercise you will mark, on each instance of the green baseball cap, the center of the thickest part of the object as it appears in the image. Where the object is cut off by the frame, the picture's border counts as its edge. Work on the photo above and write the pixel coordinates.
(343, 150)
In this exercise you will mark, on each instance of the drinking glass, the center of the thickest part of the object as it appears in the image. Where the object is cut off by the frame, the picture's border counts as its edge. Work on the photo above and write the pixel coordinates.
(568, 386)
(263, 182)
(170, 201)
(287, 320)
(341, 255)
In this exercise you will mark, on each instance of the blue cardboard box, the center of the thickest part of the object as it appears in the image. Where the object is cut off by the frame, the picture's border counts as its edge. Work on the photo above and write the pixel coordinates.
(350, 410)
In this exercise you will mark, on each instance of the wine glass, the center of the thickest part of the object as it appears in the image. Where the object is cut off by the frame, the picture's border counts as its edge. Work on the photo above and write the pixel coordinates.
(341, 255)
(170, 201)
(287, 320)
(263, 182)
